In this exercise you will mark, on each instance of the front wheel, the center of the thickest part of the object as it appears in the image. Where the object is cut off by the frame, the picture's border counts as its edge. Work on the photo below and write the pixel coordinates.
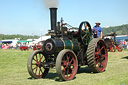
(66, 65)
(35, 69)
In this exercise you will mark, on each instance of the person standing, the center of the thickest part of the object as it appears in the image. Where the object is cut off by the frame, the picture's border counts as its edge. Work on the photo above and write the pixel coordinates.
(0, 45)
(20, 45)
(97, 30)
(127, 43)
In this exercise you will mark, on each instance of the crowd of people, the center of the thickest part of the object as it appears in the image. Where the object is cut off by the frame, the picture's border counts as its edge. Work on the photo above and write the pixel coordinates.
(18, 46)
(15, 46)
(10, 46)
(124, 43)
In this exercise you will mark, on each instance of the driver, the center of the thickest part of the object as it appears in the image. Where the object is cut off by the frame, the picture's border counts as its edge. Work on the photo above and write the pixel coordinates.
(97, 30)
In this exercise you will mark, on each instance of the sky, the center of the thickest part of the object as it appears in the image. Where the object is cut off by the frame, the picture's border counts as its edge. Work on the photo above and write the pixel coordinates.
(32, 17)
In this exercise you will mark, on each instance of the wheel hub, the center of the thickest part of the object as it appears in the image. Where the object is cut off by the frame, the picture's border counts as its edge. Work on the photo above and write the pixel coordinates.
(38, 64)
(69, 65)
(101, 58)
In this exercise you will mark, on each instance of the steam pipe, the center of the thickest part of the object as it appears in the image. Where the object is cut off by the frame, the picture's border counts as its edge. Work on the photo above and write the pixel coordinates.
(53, 15)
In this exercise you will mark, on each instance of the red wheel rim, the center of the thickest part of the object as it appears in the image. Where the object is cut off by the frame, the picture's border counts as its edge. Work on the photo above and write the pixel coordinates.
(37, 69)
(68, 66)
(119, 48)
(112, 49)
(101, 56)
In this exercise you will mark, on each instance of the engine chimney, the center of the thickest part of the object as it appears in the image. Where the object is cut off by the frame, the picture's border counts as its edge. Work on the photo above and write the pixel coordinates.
(53, 14)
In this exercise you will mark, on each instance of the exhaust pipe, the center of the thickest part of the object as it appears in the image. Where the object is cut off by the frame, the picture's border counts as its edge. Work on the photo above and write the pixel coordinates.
(53, 15)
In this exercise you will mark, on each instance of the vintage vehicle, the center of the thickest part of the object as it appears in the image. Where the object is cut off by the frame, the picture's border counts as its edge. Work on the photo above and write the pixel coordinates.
(112, 44)
(37, 47)
(24, 48)
(67, 50)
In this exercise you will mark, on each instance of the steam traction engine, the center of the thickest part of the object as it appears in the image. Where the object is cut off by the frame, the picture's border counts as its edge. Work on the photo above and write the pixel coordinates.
(67, 50)
(112, 44)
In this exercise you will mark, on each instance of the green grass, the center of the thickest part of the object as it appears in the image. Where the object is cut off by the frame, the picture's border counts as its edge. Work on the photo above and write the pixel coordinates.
(13, 71)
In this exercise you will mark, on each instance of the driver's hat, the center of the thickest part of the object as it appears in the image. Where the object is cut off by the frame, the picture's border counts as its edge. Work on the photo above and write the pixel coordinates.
(97, 23)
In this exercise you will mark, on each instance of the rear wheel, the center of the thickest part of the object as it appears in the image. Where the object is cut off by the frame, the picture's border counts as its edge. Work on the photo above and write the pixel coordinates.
(34, 66)
(66, 65)
(97, 55)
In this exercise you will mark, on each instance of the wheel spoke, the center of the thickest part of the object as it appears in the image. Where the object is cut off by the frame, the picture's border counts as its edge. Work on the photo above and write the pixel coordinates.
(39, 71)
(71, 60)
(96, 61)
(64, 68)
(36, 71)
(40, 57)
(34, 64)
(97, 48)
(35, 68)
(84, 31)
(101, 49)
(67, 58)
(103, 64)
(35, 60)
(84, 36)
(64, 63)
(96, 53)
(70, 70)
(36, 57)
(88, 36)
(104, 55)
(96, 57)
(67, 71)
(44, 60)
(100, 66)
(72, 65)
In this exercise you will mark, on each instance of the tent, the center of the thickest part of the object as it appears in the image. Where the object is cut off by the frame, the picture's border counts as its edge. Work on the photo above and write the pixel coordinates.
(42, 38)
(23, 41)
(6, 41)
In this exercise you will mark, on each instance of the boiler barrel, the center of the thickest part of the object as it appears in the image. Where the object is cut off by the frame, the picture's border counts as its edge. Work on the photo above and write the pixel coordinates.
(52, 46)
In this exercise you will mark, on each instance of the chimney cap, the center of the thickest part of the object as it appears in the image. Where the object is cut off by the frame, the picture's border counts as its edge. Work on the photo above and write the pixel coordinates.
(52, 8)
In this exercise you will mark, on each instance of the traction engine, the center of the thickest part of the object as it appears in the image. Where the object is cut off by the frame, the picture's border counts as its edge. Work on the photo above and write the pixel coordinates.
(112, 44)
(68, 49)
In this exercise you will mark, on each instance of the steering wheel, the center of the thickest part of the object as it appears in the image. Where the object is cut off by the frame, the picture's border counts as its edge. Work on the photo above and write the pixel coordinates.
(85, 32)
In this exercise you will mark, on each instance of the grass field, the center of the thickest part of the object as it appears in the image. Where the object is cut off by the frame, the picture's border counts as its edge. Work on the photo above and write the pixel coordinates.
(13, 71)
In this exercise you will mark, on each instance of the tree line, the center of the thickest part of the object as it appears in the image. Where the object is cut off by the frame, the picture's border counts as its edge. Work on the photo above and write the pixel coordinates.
(21, 37)
(120, 30)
